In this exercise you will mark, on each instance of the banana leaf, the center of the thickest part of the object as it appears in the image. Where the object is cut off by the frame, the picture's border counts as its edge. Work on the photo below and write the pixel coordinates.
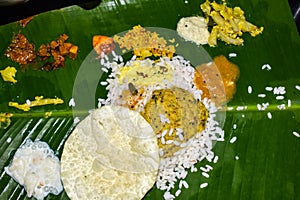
(264, 161)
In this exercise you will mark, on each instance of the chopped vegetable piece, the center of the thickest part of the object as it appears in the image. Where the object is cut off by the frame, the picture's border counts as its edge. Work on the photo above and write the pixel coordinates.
(48, 114)
(8, 74)
(230, 23)
(5, 120)
(59, 49)
(103, 44)
(39, 101)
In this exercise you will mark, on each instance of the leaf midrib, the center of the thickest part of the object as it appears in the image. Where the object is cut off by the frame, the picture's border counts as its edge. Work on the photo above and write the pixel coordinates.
(230, 109)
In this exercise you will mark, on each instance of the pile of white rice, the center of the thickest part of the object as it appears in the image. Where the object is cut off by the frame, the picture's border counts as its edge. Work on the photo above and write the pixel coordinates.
(173, 169)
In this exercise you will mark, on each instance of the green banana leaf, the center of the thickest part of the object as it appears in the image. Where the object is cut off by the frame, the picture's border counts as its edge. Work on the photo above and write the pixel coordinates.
(264, 161)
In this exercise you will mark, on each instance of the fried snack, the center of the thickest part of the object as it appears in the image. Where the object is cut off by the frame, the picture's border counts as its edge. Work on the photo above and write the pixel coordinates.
(111, 154)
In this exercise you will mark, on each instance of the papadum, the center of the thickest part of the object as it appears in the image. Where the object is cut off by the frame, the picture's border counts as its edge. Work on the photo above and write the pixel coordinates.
(111, 154)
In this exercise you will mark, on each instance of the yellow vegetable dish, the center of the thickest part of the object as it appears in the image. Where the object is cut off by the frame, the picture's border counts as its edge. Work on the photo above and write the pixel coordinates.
(8, 74)
(5, 120)
(230, 23)
(39, 101)
(145, 43)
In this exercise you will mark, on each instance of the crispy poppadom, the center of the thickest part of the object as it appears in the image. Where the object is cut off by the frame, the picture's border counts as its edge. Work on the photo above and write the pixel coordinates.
(111, 154)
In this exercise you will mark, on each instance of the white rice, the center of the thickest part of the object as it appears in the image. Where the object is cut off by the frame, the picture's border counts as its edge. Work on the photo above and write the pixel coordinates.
(164, 119)
(161, 152)
(194, 169)
(209, 167)
(169, 141)
(181, 137)
(171, 131)
(216, 159)
(204, 169)
(177, 193)
(261, 95)
(175, 168)
(231, 55)
(262, 106)
(168, 196)
(72, 102)
(113, 53)
(103, 83)
(8, 140)
(269, 115)
(232, 140)
(289, 103)
(163, 141)
(279, 90)
(268, 88)
(265, 105)
(102, 61)
(176, 143)
(239, 108)
(234, 126)
(208, 64)
(266, 67)
(281, 107)
(206, 175)
(296, 134)
(104, 69)
(203, 185)
(164, 133)
(230, 108)
(28, 102)
(259, 107)
(249, 89)
(185, 184)
(280, 97)
(76, 120)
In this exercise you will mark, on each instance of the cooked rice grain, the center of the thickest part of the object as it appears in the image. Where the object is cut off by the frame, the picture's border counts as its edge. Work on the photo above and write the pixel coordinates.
(175, 168)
